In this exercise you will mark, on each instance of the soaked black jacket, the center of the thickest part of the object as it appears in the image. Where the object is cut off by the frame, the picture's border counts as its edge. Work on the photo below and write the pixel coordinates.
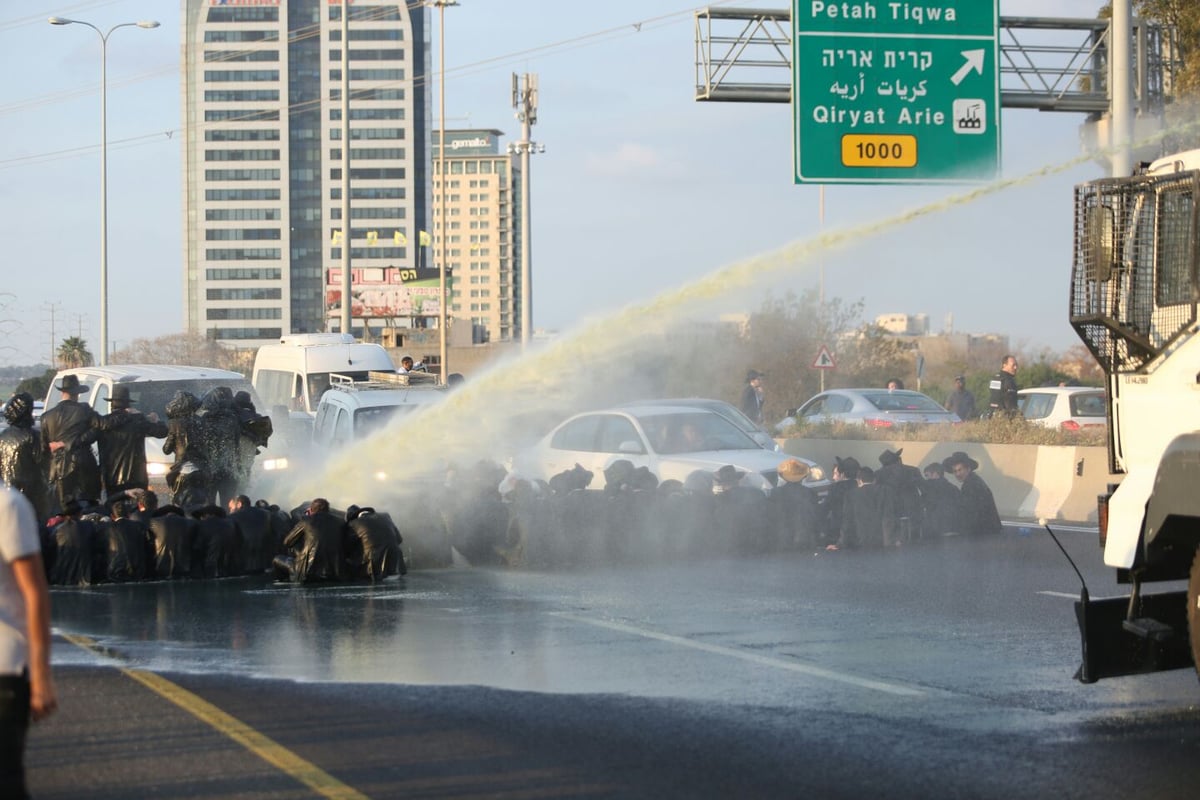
(258, 539)
(76, 545)
(318, 543)
(127, 544)
(374, 547)
(172, 538)
(121, 437)
(23, 466)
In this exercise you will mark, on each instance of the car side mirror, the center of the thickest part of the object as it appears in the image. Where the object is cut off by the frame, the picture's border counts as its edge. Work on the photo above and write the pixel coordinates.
(631, 447)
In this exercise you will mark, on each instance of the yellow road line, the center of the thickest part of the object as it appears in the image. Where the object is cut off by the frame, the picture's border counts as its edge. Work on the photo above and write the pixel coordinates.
(262, 746)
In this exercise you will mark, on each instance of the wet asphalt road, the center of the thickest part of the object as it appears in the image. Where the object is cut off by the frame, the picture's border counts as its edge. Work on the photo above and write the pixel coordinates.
(939, 671)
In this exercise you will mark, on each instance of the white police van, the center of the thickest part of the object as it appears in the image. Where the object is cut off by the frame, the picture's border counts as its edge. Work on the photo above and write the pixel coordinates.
(151, 387)
(351, 410)
(295, 372)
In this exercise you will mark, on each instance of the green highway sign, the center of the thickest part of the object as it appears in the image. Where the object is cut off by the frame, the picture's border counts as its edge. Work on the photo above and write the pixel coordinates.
(895, 91)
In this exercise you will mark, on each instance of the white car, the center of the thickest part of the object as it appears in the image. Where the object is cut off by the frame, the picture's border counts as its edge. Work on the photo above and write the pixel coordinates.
(351, 410)
(670, 441)
(1070, 408)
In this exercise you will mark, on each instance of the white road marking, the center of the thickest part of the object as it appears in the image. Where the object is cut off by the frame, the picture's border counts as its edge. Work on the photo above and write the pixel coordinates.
(754, 658)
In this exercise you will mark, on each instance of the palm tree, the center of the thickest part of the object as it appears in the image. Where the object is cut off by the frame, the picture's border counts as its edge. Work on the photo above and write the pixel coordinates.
(73, 352)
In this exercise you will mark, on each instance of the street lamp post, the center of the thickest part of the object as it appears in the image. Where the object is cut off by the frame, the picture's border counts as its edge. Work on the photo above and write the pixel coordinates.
(103, 164)
(443, 317)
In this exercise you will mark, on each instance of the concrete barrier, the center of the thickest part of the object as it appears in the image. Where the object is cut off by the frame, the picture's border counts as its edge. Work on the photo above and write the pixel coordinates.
(1028, 481)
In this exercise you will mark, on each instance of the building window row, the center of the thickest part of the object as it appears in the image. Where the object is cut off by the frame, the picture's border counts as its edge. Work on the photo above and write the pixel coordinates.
(369, 173)
(242, 234)
(382, 74)
(244, 174)
(234, 56)
(244, 294)
(246, 333)
(232, 75)
(241, 155)
(356, 95)
(240, 194)
(244, 313)
(363, 153)
(235, 115)
(370, 212)
(244, 274)
(226, 135)
(368, 134)
(237, 214)
(387, 13)
(369, 35)
(243, 254)
(241, 36)
(241, 95)
(384, 54)
(369, 193)
(335, 114)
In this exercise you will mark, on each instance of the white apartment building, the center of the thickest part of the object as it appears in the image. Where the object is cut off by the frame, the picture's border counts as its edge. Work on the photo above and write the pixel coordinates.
(481, 230)
(262, 108)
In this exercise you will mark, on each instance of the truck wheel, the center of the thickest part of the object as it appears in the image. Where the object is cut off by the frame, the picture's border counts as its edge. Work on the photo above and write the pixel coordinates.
(1193, 610)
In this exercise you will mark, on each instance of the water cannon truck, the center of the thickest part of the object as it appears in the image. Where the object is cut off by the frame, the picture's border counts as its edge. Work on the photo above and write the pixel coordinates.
(1134, 294)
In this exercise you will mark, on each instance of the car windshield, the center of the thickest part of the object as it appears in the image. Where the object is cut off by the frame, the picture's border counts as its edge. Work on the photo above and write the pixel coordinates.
(902, 401)
(693, 432)
(374, 418)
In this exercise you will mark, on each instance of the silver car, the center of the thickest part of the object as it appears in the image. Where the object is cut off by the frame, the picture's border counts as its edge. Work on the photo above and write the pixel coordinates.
(875, 408)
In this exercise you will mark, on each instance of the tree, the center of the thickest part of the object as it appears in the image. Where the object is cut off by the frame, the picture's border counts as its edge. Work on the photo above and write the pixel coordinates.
(73, 352)
(38, 385)
(189, 349)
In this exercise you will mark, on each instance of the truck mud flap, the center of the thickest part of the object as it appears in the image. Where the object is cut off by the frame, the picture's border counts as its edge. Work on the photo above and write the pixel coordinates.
(1157, 640)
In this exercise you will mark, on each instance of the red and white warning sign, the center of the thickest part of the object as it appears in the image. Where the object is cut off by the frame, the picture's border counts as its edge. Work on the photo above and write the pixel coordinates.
(824, 359)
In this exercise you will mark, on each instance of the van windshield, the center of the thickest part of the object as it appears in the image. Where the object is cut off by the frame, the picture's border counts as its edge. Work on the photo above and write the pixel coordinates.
(368, 421)
(318, 382)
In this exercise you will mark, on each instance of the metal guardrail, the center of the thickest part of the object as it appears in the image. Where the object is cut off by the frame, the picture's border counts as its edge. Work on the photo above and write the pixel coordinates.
(1046, 63)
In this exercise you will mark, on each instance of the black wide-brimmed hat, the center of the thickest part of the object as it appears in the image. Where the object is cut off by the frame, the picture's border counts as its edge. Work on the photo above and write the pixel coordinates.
(959, 457)
(120, 396)
(71, 385)
(728, 474)
(890, 456)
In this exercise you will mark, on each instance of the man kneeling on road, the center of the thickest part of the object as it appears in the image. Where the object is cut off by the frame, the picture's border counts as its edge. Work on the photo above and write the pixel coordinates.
(316, 547)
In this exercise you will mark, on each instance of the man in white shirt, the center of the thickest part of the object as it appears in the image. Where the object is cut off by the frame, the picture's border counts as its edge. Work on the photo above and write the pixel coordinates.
(26, 687)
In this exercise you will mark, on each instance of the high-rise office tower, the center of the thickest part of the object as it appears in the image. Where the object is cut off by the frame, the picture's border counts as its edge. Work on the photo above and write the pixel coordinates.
(262, 106)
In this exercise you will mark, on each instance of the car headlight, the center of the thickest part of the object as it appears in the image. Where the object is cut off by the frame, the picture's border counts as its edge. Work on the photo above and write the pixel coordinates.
(157, 468)
(273, 464)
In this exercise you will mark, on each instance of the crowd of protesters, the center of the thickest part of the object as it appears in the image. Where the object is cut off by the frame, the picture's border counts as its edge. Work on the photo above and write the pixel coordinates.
(132, 538)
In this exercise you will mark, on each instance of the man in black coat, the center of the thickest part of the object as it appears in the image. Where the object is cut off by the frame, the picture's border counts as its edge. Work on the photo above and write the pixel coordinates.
(76, 545)
(217, 550)
(943, 504)
(980, 516)
(870, 517)
(904, 482)
(317, 547)
(127, 541)
(121, 438)
(22, 463)
(258, 536)
(188, 477)
(68, 431)
(373, 546)
(797, 507)
(172, 537)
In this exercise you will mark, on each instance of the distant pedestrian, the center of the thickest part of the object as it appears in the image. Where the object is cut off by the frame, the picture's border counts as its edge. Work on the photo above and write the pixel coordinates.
(752, 396)
(894, 384)
(961, 401)
(1003, 390)
(980, 516)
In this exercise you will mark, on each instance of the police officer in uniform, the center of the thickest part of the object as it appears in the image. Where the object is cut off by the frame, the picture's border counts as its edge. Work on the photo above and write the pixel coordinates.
(1003, 390)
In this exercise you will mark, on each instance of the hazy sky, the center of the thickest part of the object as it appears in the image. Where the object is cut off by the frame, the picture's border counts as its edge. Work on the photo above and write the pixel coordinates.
(640, 188)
